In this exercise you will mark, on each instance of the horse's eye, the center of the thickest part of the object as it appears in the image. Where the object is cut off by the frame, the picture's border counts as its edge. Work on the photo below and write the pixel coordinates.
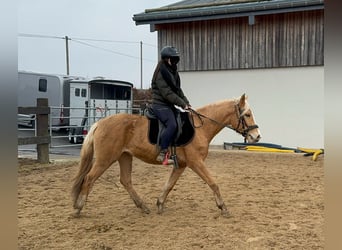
(248, 115)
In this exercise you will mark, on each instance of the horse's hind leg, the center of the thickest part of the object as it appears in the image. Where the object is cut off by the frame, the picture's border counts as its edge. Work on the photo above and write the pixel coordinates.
(125, 161)
(96, 171)
(174, 176)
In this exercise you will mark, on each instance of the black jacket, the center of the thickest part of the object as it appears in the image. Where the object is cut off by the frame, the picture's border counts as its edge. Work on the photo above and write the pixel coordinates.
(166, 87)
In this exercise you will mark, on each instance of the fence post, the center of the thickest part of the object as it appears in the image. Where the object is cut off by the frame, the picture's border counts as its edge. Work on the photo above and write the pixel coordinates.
(42, 130)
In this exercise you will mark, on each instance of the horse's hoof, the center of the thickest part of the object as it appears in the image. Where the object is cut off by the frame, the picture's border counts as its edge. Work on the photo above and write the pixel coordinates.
(146, 210)
(160, 210)
(160, 207)
(226, 214)
(77, 213)
(80, 202)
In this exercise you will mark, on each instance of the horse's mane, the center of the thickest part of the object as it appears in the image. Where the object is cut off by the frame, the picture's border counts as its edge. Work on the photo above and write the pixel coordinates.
(212, 107)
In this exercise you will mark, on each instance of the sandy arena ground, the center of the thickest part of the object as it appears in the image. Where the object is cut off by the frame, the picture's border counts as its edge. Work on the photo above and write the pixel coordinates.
(276, 201)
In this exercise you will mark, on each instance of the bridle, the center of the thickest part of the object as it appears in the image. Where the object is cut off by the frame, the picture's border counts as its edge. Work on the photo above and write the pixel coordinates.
(242, 122)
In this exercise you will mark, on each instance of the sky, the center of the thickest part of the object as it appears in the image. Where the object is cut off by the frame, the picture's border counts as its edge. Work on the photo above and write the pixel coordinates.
(43, 25)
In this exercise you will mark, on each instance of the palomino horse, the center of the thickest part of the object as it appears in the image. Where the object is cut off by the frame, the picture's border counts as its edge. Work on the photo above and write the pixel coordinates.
(122, 136)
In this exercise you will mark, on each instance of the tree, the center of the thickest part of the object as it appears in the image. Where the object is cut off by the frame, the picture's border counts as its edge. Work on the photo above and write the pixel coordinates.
(141, 97)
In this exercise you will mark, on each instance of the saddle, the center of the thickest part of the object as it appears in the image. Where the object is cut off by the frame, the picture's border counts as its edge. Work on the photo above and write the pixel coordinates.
(185, 128)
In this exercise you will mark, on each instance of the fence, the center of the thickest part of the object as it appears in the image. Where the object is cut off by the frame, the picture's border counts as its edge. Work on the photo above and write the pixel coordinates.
(79, 123)
(53, 136)
(42, 138)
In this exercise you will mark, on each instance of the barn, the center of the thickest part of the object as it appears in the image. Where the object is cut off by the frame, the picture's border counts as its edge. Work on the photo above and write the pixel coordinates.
(271, 50)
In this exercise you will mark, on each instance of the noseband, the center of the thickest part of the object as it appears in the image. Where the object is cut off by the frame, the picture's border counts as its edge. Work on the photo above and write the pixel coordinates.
(242, 122)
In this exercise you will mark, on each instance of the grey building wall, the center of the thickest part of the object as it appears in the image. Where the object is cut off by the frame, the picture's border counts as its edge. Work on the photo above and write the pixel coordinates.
(279, 40)
(288, 103)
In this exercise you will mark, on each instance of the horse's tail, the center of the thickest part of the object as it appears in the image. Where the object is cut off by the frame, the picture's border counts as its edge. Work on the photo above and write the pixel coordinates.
(85, 165)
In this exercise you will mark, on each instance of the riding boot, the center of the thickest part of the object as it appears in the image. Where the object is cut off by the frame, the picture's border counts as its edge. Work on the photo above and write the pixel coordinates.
(164, 157)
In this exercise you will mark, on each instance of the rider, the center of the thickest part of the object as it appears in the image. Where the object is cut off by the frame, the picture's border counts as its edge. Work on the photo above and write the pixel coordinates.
(167, 92)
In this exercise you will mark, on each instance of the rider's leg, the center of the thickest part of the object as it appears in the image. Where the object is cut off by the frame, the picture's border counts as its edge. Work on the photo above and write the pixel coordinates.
(167, 117)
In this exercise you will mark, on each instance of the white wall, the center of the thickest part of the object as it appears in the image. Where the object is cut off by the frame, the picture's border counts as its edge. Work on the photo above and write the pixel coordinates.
(287, 102)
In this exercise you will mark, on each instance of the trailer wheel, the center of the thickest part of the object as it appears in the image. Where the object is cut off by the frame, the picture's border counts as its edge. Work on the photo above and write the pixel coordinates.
(75, 136)
(76, 139)
(71, 135)
(33, 124)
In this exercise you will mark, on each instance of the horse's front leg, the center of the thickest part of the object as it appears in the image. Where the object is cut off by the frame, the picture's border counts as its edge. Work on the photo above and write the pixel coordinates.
(125, 162)
(200, 169)
(174, 176)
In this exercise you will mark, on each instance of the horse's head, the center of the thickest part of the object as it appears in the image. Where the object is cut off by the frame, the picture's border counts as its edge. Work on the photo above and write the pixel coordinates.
(245, 124)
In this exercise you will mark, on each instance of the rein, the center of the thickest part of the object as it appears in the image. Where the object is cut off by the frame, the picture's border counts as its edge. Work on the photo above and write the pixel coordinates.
(241, 118)
(199, 115)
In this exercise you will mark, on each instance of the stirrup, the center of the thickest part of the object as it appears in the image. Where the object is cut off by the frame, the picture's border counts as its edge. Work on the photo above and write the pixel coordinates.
(164, 158)
(161, 156)
(167, 160)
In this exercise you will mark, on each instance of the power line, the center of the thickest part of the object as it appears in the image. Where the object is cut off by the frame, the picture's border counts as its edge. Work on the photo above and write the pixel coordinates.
(103, 40)
(151, 45)
(79, 40)
(108, 50)
(84, 39)
(112, 41)
(40, 36)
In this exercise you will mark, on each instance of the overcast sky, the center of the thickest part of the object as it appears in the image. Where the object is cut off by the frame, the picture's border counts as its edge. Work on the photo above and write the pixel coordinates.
(81, 20)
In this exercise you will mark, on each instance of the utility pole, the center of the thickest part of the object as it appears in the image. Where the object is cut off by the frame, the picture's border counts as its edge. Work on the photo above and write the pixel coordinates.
(67, 53)
(141, 65)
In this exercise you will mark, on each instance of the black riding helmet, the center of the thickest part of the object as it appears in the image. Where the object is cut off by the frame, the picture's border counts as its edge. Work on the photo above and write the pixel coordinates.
(170, 52)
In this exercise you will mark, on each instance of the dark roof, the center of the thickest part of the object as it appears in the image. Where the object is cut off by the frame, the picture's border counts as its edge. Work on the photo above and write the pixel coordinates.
(194, 10)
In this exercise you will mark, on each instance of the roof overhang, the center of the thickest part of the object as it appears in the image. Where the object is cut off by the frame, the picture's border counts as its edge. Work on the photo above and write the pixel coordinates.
(188, 14)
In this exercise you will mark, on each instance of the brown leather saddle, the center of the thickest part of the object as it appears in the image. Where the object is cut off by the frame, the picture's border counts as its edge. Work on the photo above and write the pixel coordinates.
(185, 131)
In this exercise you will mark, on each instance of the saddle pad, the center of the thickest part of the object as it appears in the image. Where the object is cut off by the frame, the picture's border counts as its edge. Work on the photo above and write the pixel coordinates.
(185, 137)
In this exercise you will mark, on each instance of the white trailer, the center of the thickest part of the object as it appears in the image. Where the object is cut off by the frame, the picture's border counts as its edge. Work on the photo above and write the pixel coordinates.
(36, 85)
(93, 100)
(75, 102)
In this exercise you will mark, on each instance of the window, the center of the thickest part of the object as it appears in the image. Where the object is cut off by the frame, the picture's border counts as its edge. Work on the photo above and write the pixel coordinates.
(96, 91)
(123, 93)
(77, 92)
(42, 87)
(84, 93)
(109, 92)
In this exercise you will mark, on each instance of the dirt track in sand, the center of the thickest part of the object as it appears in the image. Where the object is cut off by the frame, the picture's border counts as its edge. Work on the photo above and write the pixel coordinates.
(276, 201)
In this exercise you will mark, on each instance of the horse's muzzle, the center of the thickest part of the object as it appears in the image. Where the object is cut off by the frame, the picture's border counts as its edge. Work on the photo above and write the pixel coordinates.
(253, 137)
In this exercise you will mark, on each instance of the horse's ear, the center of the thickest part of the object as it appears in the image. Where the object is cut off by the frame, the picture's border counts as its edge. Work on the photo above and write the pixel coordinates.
(242, 100)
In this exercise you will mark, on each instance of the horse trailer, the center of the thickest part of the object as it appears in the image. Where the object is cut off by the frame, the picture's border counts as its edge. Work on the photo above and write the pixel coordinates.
(75, 102)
